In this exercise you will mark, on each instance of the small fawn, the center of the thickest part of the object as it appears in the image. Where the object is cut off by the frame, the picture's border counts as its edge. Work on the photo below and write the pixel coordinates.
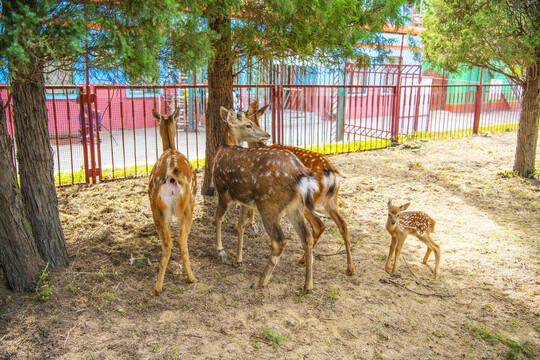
(328, 179)
(172, 187)
(400, 224)
(272, 180)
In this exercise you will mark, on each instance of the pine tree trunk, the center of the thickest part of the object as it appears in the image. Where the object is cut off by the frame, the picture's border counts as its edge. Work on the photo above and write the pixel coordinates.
(34, 155)
(527, 138)
(19, 256)
(220, 87)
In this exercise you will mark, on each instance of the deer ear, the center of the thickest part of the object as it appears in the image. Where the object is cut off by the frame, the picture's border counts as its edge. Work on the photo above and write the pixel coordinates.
(176, 113)
(404, 207)
(252, 108)
(389, 202)
(155, 115)
(262, 110)
(224, 113)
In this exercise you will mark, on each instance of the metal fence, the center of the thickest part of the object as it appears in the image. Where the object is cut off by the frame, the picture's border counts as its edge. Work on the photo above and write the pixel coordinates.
(119, 138)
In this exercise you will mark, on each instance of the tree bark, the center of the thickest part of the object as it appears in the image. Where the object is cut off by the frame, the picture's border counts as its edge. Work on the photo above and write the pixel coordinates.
(19, 256)
(527, 137)
(34, 155)
(220, 88)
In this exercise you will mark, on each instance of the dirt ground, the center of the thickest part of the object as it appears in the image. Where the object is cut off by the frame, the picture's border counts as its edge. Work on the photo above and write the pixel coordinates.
(485, 304)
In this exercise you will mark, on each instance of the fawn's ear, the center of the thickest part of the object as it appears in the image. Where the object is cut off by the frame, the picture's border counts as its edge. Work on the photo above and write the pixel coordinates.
(404, 207)
(155, 115)
(252, 108)
(389, 203)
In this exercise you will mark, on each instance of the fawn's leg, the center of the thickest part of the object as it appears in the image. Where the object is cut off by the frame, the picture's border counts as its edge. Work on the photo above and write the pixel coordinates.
(333, 211)
(318, 228)
(399, 246)
(302, 230)
(432, 246)
(240, 227)
(426, 257)
(222, 207)
(162, 226)
(185, 226)
(390, 253)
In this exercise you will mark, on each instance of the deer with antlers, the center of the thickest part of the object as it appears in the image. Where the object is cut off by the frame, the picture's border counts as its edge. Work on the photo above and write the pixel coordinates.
(328, 179)
(273, 181)
(400, 224)
(172, 187)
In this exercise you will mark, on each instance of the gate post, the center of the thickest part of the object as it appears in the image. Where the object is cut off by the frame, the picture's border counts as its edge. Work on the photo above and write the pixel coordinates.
(477, 109)
(87, 113)
(394, 126)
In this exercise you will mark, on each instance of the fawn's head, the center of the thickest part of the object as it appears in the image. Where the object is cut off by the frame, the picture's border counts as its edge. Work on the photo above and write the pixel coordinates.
(239, 128)
(393, 213)
(167, 127)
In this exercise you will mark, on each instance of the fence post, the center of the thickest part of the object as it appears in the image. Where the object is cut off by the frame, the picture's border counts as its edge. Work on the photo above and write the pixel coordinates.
(395, 116)
(477, 109)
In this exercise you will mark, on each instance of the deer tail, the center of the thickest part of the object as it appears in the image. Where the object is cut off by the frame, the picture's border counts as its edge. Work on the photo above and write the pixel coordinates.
(307, 184)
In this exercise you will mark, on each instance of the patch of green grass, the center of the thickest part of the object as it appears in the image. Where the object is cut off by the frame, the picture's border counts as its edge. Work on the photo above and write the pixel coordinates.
(276, 339)
(493, 337)
(128, 172)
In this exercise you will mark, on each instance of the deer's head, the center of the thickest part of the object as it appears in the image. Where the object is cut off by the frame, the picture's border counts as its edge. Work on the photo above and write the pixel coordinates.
(393, 213)
(167, 127)
(239, 128)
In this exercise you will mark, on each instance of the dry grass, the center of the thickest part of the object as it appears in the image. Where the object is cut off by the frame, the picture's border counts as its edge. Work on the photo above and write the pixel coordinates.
(100, 307)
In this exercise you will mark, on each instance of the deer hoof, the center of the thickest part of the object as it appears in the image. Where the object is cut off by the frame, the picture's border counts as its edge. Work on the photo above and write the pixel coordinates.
(255, 228)
(237, 263)
(192, 280)
(307, 291)
(302, 261)
(350, 272)
(155, 292)
(223, 256)
(395, 275)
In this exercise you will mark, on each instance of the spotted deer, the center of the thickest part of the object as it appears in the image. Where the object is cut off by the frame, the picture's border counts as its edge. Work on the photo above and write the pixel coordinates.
(273, 181)
(328, 179)
(172, 187)
(400, 224)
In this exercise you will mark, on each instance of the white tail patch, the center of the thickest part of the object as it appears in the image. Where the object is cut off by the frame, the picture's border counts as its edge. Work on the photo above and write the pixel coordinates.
(308, 184)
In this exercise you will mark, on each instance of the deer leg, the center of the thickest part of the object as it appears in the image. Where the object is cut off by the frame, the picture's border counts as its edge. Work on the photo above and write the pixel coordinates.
(332, 208)
(318, 228)
(302, 230)
(399, 246)
(432, 246)
(222, 207)
(185, 226)
(254, 226)
(166, 246)
(426, 257)
(278, 245)
(390, 253)
(240, 227)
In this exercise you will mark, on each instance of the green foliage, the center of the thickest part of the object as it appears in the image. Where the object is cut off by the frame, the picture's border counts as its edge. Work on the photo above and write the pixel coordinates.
(276, 339)
(127, 34)
(493, 337)
(499, 35)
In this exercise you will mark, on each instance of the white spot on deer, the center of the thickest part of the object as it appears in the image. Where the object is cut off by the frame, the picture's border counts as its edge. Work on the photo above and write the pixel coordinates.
(306, 184)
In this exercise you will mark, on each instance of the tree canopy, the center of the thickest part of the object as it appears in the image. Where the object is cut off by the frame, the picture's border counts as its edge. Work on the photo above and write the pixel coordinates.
(500, 35)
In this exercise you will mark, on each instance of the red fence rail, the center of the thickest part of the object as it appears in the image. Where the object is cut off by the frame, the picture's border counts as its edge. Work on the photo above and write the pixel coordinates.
(119, 138)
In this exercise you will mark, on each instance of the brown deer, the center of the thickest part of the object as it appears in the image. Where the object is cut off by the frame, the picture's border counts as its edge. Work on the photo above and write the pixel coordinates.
(328, 178)
(172, 187)
(400, 224)
(272, 180)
